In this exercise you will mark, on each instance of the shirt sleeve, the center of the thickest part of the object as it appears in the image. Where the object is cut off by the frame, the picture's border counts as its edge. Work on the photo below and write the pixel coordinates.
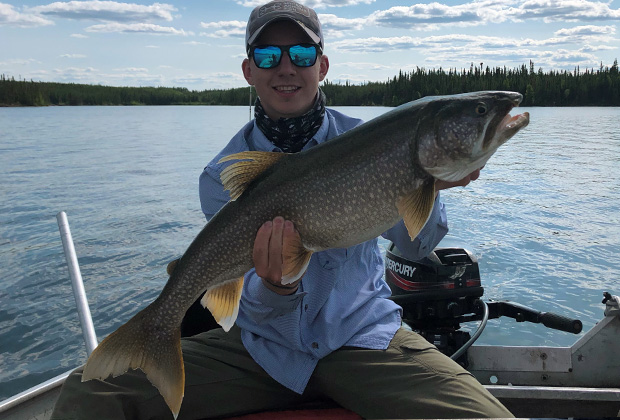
(212, 194)
(262, 305)
(431, 234)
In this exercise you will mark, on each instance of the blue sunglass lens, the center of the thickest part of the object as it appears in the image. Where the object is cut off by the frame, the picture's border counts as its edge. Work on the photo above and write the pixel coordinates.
(268, 57)
(303, 56)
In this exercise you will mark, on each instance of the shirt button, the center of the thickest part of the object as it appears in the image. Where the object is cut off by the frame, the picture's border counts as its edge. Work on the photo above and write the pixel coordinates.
(315, 345)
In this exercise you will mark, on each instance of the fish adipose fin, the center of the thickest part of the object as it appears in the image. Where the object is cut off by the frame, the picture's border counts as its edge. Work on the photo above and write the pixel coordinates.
(223, 302)
(416, 208)
(295, 260)
(141, 344)
(238, 176)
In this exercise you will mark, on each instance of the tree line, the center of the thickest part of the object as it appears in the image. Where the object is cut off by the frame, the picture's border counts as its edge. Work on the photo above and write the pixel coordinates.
(600, 87)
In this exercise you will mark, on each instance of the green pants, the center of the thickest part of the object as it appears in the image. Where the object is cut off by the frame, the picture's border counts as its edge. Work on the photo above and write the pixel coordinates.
(411, 379)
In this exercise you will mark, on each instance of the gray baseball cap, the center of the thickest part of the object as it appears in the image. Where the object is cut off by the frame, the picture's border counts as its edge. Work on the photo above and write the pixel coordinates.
(277, 10)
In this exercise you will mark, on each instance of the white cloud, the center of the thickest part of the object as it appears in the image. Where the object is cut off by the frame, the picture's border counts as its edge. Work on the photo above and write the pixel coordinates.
(587, 30)
(434, 15)
(333, 22)
(18, 62)
(378, 44)
(106, 11)
(10, 17)
(319, 4)
(427, 14)
(147, 28)
(132, 70)
(224, 29)
(594, 48)
(131, 76)
(565, 10)
(224, 24)
(80, 36)
(217, 80)
(315, 4)
(73, 56)
(363, 65)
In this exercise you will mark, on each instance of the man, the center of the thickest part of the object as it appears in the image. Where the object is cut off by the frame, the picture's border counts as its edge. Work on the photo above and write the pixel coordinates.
(332, 334)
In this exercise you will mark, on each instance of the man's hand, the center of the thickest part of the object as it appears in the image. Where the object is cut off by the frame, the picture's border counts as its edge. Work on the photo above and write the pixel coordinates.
(442, 185)
(272, 238)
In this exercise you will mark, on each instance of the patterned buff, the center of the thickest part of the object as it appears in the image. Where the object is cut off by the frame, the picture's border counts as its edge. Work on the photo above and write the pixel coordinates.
(291, 134)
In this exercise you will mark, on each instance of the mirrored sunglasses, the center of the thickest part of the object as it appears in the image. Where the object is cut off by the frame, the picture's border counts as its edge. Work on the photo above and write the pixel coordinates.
(269, 56)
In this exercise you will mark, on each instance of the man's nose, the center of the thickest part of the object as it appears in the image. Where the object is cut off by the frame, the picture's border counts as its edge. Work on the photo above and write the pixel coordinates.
(286, 65)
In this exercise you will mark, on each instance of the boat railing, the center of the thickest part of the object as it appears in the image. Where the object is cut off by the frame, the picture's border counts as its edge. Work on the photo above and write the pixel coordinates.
(32, 395)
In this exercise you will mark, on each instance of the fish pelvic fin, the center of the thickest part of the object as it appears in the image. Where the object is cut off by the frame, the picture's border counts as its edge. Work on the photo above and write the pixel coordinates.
(295, 259)
(239, 175)
(223, 302)
(415, 208)
(142, 344)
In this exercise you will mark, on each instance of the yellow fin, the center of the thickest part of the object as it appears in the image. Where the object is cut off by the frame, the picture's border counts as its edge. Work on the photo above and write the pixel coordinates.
(416, 208)
(295, 260)
(238, 176)
(156, 349)
(223, 302)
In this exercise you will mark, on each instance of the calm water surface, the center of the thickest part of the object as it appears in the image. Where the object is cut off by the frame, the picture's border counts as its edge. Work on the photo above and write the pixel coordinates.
(543, 219)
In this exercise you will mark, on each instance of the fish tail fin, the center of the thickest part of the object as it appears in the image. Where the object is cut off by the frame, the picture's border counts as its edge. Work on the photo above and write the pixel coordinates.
(143, 344)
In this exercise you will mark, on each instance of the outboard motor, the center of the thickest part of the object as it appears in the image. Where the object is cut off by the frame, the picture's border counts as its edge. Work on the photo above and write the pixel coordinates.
(436, 293)
(443, 290)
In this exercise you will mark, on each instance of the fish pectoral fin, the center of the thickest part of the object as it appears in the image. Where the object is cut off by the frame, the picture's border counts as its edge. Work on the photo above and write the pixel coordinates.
(238, 176)
(141, 344)
(295, 259)
(223, 302)
(416, 208)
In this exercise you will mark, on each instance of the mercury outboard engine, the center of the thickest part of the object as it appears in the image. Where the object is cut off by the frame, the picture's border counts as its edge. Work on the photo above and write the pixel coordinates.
(443, 290)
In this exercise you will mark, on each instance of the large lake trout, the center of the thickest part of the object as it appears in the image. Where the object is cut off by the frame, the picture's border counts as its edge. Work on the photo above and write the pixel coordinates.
(338, 194)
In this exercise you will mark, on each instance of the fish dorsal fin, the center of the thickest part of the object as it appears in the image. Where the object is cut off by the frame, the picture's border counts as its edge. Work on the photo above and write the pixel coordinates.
(295, 260)
(223, 302)
(416, 207)
(238, 176)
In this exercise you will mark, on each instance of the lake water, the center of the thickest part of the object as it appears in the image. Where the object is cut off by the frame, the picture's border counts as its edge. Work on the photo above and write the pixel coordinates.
(543, 219)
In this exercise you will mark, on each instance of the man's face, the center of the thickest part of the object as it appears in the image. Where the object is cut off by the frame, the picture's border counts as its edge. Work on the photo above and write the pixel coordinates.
(285, 91)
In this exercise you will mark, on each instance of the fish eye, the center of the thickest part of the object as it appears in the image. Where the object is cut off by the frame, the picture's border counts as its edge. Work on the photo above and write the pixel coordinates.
(481, 109)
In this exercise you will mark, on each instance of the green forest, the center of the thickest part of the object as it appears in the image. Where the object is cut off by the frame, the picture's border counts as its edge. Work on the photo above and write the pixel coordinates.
(600, 87)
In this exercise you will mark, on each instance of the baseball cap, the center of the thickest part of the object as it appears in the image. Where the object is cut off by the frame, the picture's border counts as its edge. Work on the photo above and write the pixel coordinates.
(277, 10)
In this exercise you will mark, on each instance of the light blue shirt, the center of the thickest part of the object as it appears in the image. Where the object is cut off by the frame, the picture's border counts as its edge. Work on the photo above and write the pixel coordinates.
(342, 299)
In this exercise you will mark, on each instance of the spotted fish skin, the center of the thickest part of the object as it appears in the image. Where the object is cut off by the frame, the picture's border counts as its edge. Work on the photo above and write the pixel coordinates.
(339, 193)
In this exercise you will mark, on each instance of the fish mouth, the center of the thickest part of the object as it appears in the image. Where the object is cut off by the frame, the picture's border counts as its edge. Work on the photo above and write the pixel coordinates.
(509, 126)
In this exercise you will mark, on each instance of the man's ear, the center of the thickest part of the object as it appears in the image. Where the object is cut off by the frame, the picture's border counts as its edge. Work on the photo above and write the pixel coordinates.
(323, 67)
(247, 71)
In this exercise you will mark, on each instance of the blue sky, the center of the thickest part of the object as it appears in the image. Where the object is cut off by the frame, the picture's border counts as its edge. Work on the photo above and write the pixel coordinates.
(198, 44)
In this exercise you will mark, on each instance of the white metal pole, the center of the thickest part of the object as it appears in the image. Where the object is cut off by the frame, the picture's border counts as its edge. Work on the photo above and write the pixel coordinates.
(88, 329)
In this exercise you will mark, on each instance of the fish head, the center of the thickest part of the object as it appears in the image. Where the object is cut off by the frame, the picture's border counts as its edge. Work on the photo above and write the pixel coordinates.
(458, 134)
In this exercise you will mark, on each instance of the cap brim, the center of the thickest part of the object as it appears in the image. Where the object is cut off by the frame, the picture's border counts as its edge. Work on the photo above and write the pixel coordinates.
(314, 37)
